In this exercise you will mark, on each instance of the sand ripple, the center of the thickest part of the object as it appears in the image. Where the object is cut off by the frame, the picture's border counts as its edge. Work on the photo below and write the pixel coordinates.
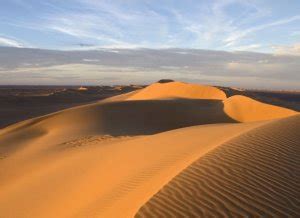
(254, 175)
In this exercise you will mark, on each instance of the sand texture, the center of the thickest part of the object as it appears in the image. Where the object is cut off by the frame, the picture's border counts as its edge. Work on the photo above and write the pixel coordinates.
(168, 150)
(253, 175)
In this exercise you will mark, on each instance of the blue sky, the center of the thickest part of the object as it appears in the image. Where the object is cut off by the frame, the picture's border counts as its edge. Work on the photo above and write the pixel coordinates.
(253, 25)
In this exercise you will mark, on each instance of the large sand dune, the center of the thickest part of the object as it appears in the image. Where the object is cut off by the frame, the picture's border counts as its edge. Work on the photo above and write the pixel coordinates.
(109, 158)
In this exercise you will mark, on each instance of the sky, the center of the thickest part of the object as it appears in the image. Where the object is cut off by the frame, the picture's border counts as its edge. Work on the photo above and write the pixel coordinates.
(242, 43)
(24, 66)
(270, 26)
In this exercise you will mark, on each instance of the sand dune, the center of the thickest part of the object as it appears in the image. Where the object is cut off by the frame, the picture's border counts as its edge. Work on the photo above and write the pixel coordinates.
(253, 175)
(244, 109)
(178, 90)
(109, 158)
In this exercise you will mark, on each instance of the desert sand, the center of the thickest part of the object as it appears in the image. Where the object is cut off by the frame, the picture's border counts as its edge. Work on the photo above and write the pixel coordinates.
(168, 150)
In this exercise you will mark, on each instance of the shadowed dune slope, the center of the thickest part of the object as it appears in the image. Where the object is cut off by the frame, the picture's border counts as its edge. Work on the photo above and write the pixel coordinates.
(245, 109)
(253, 175)
(178, 90)
(122, 118)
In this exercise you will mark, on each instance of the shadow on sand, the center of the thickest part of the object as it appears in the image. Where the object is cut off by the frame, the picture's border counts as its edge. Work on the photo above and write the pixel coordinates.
(154, 116)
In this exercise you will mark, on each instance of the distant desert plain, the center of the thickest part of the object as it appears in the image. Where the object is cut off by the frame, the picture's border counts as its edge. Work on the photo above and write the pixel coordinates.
(170, 149)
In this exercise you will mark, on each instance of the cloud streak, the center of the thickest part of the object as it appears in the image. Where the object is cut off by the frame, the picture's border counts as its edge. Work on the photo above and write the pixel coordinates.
(236, 36)
(5, 41)
(288, 50)
(217, 24)
(244, 69)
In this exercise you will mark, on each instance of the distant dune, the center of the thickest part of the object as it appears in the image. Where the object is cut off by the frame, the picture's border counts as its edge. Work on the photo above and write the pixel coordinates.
(170, 149)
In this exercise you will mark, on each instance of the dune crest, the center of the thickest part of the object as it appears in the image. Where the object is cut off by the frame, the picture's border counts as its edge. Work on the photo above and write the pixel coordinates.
(244, 109)
(178, 90)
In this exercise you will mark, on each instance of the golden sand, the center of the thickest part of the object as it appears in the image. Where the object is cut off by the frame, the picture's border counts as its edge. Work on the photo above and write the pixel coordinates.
(151, 153)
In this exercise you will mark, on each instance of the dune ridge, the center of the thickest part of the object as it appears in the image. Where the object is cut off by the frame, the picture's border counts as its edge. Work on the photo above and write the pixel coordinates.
(245, 109)
(178, 90)
(255, 174)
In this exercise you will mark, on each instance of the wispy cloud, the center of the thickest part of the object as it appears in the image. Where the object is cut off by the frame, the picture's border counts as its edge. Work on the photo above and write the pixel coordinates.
(245, 69)
(82, 25)
(106, 24)
(236, 36)
(287, 50)
(5, 41)
(216, 24)
(213, 24)
(247, 47)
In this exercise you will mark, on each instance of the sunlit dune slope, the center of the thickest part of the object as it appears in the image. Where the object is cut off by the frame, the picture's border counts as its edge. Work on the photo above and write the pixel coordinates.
(98, 176)
(244, 109)
(253, 175)
(178, 90)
